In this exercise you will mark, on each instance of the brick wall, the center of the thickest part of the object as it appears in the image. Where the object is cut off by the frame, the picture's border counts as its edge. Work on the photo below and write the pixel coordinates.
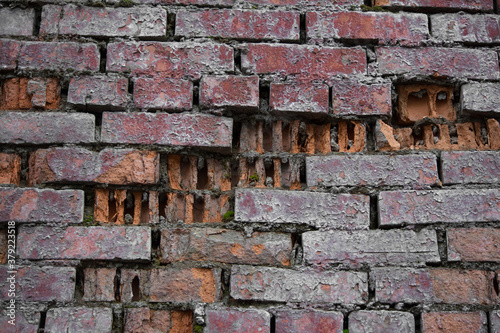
(250, 166)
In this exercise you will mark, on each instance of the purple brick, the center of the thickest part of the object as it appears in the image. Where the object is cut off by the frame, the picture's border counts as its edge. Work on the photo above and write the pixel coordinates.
(449, 206)
(44, 284)
(46, 127)
(9, 53)
(79, 319)
(372, 247)
(26, 321)
(37, 205)
(63, 56)
(241, 92)
(163, 93)
(138, 21)
(438, 62)
(372, 170)
(495, 321)
(466, 167)
(98, 91)
(191, 130)
(323, 210)
(17, 21)
(476, 5)
(352, 98)
(286, 285)
(381, 322)
(299, 98)
(466, 28)
(99, 243)
(481, 98)
(237, 320)
(298, 321)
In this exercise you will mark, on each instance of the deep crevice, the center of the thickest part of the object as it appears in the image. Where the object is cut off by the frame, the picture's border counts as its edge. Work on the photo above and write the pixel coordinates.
(102, 63)
(374, 221)
(43, 319)
(37, 21)
(272, 327)
(131, 87)
(196, 93)
(418, 322)
(303, 29)
(117, 283)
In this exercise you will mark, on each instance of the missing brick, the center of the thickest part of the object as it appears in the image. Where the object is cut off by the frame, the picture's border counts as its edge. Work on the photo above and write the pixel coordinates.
(103, 54)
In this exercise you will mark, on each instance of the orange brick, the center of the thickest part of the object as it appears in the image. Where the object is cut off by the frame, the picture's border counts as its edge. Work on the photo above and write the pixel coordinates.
(10, 169)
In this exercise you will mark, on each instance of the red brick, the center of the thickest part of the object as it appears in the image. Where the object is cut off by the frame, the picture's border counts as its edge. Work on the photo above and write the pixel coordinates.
(298, 321)
(449, 206)
(237, 320)
(46, 127)
(353, 98)
(300, 98)
(323, 210)
(63, 56)
(27, 321)
(17, 21)
(163, 93)
(98, 243)
(476, 244)
(145, 320)
(9, 53)
(79, 319)
(38, 205)
(169, 59)
(10, 168)
(381, 322)
(240, 92)
(287, 285)
(439, 285)
(218, 3)
(190, 130)
(466, 28)
(240, 24)
(470, 167)
(438, 62)
(44, 284)
(99, 284)
(481, 99)
(385, 28)
(185, 285)
(475, 5)
(473, 322)
(307, 2)
(104, 22)
(302, 61)
(224, 245)
(110, 166)
(98, 91)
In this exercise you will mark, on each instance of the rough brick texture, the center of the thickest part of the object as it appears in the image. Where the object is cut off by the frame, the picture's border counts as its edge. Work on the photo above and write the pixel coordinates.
(41, 205)
(352, 98)
(79, 319)
(98, 91)
(99, 284)
(163, 93)
(477, 5)
(479, 244)
(474, 322)
(296, 321)
(17, 21)
(25, 93)
(381, 321)
(470, 167)
(26, 321)
(466, 28)
(481, 98)
(221, 320)
(9, 53)
(148, 320)
(299, 98)
(100, 243)
(230, 91)
(10, 169)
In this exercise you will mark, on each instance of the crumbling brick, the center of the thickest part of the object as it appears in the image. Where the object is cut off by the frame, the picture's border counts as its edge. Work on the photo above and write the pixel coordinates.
(474, 322)
(99, 284)
(148, 320)
(163, 93)
(98, 92)
(10, 169)
(114, 206)
(228, 91)
(234, 320)
(296, 321)
(79, 319)
(381, 321)
(24, 93)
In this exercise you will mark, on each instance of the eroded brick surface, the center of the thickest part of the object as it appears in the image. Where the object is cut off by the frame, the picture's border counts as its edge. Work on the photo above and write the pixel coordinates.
(351, 98)
(466, 28)
(296, 321)
(477, 5)
(138, 320)
(474, 322)
(163, 93)
(221, 320)
(477, 244)
(98, 91)
(17, 21)
(481, 98)
(79, 319)
(303, 98)
(10, 168)
(470, 167)
(99, 284)
(381, 321)
(230, 91)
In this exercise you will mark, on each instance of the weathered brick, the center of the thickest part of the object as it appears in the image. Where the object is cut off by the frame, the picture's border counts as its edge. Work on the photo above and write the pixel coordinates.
(470, 167)
(298, 321)
(476, 244)
(301, 98)
(46, 127)
(240, 24)
(449, 206)
(495, 321)
(148, 320)
(10, 169)
(385, 28)
(286, 285)
(371, 170)
(99, 284)
(303, 61)
(79, 319)
(42, 284)
(38, 205)
(17, 21)
(476, 5)
(466, 28)
(134, 285)
(108, 92)
(438, 62)
(237, 320)
(99, 243)
(9, 53)
(109, 166)
(163, 93)
(381, 322)
(307, 2)
(224, 245)
(185, 285)
(218, 3)
(473, 322)
(372, 247)
(138, 21)
(353, 98)
(325, 210)
(191, 130)
(440, 285)
(25, 321)
(26, 93)
(169, 59)
(240, 92)
(4, 247)
(481, 98)
(63, 56)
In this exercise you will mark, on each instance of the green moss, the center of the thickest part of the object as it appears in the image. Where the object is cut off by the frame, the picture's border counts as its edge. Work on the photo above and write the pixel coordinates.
(345, 331)
(366, 8)
(198, 328)
(254, 178)
(126, 3)
(228, 216)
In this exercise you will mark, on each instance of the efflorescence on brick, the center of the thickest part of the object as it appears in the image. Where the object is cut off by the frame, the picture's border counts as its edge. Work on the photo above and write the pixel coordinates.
(250, 166)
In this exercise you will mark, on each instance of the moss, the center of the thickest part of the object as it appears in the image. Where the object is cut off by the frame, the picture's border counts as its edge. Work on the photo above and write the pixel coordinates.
(126, 3)
(366, 8)
(345, 331)
(254, 178)
(229, 216)
(198, 328)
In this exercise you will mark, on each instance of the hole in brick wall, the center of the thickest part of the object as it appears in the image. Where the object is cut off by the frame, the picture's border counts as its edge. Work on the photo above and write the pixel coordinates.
(117, 284)
(269, 168)
(186, 171)
(112, 213)
(102, 64)
(272, 326)
(264, 92)
(136, 290)
(155, 239)
(418, 322)
(79, 283)
(237, 60)
(345, 324)
(267, 135)
(234, 173)
(43, 319)
(287, 145)
(129, 208)
(496, 286)
(198, 208)
(37, 21)
(170, 25)
(374, 211)
(203, 181)
(131, 87)
(418, 104)
(302, 27)
(162, 205)
(453, 134)
(236, 136)
(196, 93)
(145, 208)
